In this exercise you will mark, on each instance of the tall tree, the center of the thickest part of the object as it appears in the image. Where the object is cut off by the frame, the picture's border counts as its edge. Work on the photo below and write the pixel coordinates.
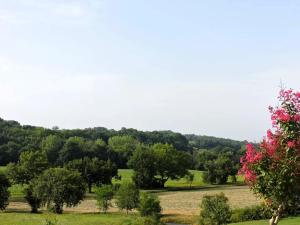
(94, 171)
(52, 145)
(30, 165)
(170, 163)
(124, 146)
(57, 187)
(143, 162)
(72, 149)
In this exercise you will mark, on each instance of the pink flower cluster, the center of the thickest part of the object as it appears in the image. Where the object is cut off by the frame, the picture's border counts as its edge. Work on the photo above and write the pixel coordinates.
(286, 114)
(252, 156)
(275, 144)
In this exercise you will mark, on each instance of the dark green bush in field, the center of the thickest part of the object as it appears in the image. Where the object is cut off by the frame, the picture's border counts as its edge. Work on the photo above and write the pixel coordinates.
(215, 210)
(128, 197)
(4, 193)
(104, 195)
(149, 205)
(258, 212)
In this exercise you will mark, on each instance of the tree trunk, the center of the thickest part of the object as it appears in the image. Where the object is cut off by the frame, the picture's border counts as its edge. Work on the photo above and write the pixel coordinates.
(275, 218)
(90, 187)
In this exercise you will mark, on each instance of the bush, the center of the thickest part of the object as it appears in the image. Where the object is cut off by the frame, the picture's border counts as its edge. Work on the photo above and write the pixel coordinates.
(104, 195)
(128, 197)
(4, 193)
(147, 221)
(149, 205)
(215, 210)
(250, 213)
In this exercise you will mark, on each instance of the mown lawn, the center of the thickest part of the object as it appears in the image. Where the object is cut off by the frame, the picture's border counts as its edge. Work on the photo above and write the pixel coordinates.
(126, 175)
(287, 221)
(66, 219)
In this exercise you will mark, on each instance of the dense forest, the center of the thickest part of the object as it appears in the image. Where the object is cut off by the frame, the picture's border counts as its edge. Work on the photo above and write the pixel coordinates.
(16, 138)
(97, 153)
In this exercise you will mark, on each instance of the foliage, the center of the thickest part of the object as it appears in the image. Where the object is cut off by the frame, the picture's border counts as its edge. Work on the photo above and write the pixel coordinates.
(218, 170)
(149, 205)
(143, 163)
(30, 165)
(127, 197)
(59, 186)
(104, 195)
(94, 171)
(72, 149)
(124, 146)
(215, 210)
(170, 164)
(52, 145)
(273, 171)
(33, 201)
(190, 178)
(4, 193)
(257, 212)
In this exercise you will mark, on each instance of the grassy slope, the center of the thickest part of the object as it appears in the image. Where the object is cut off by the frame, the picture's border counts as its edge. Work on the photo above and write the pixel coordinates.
(288, 221)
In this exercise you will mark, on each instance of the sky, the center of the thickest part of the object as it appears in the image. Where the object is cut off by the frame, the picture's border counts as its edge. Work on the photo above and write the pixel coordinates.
(203, 67)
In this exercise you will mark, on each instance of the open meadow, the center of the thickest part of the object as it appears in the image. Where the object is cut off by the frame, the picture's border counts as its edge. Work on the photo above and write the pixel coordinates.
(179, 203)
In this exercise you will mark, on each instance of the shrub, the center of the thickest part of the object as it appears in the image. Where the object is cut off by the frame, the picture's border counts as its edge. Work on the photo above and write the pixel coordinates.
(250, 213)
(215, 210)
(104, 195)
(147, 221)
(149, 205)
(128, 197)
(4, 193)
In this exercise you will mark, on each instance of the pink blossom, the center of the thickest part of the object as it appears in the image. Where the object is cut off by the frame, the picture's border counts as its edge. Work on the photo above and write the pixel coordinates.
(291, 144)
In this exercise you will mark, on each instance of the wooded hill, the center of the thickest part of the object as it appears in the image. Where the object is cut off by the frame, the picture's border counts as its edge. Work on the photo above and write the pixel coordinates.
(16, 138)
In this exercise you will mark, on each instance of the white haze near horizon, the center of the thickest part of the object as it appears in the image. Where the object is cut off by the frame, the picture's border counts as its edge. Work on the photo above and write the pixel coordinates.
(190, 68)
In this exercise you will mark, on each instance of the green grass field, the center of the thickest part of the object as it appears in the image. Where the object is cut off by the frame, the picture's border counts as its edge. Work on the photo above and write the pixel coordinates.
(66, 219)
(126, 175)
(287, 221)
(2, 168)
(180, 204)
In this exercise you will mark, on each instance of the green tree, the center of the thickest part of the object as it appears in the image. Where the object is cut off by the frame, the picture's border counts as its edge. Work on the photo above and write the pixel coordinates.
(189, 178)
(98, 149)
(215, 210)
(30, 165)
(218, 170)
(170, 163)
(52, 145)
(72, 149)
(149, 205)
(4, 193)
(127, 197)
(104, 195)
(124, 146)
(94, 171)
(143, 162)
(59, 186)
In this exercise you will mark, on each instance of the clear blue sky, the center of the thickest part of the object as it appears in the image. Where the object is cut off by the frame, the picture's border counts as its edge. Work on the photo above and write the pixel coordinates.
(204, 67)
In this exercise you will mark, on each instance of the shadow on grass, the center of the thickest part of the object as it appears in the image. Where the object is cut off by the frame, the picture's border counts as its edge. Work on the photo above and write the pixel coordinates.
(199, 188)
